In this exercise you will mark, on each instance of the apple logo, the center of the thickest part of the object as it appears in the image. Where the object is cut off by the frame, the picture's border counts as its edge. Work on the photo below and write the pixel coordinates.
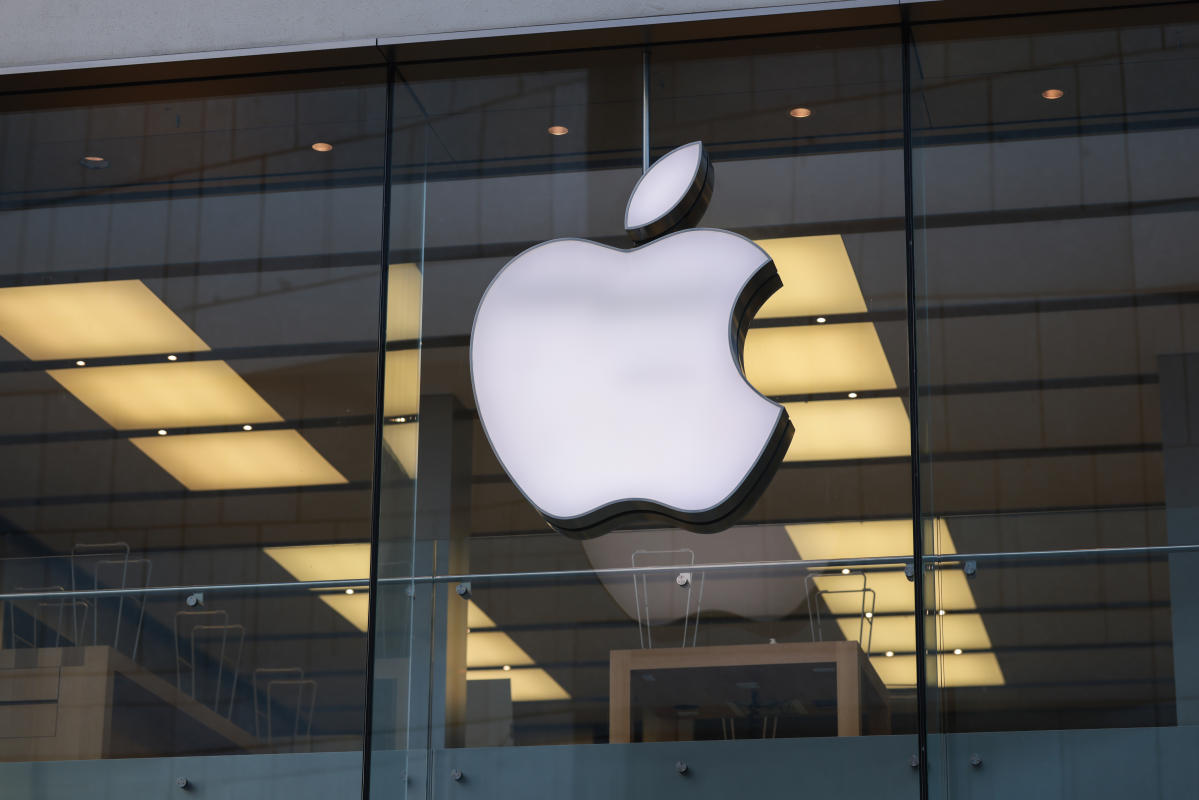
(609, 382)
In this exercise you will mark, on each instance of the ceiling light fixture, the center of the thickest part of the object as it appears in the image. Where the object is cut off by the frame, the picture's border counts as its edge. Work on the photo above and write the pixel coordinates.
(941, 613)
(94, 162)
(172, 358)
(1052, 94)
(853, 395)
(957, 651)
(558, 130)
(890, 653)
(247, 427)
(799, 112)
(322, 147)
(80, 363)
(507, 668)
(821, 320)
(349, 591)
(845, 571)
(162, 432)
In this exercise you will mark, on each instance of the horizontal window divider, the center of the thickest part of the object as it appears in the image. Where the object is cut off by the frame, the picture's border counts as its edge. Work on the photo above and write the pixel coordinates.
(176, 494)
(874, 562)
(235, 427)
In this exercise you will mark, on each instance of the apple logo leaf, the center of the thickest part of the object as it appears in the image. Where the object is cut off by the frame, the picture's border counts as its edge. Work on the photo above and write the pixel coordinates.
(672, 194)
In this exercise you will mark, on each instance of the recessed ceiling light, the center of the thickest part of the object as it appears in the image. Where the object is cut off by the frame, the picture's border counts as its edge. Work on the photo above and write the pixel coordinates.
(80, 363)
(322, 147)
(845, 571)
(853, 395)
(247, 427)
(1052, 94)
(821, 320)
(869, 615)
(162, 432)
(558, 130)
(957, 651)
(172, 358)
(890, 653)
(401, 419)
(799, 112)
(507, 668)
(349, 591)
(94, 162)
(941, 613)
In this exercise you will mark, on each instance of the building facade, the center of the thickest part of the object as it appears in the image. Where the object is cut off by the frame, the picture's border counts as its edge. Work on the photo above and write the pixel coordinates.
(257, 543)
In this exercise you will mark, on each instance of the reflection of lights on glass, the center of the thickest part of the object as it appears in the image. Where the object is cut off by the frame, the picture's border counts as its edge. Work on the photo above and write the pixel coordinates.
(845, 571)
(890, 653)
(322, 147)
(1052, 94)
(799, 112)
(162, 432)
(957, 651)
(558, 130)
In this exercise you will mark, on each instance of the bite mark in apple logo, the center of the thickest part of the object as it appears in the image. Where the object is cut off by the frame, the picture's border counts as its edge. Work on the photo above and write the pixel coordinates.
(610, 382)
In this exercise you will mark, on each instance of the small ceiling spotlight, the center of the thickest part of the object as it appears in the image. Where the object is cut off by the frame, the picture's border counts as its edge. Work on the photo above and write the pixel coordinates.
(957, 651)
(869, 615)
(162, 432)
(558, 130)
(322, 147)
(349, 591)
(845, 571)
(94, 162)
(247, 427)
(172, 358)
(401, 419)
(821, 320)
(799, 112)
(941, 613)
(80, 363)
(853, 395)
(1053, 94)
(890, 653)
(507, 668)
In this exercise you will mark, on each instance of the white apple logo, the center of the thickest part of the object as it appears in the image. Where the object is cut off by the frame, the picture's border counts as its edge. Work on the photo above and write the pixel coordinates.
(609, 382)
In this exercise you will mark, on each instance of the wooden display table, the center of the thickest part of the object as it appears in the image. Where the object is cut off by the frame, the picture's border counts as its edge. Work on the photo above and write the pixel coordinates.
(94, 702)
(678, 676)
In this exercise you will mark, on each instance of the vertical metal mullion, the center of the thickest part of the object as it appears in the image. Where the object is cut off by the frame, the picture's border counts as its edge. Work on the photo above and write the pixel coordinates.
(377, 468)
(909, 228)
(645, 109)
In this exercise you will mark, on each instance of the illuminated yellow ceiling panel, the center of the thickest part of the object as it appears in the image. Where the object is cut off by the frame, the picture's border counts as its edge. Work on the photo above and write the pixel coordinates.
(403, 302)
(166, 395)
(92, 320)
(809, 359)
(817, 277)
(401, 383)
(967, 669)
(331, 562)
(893, 625)
(240, 460)
(867, 427)
(489, 650)
(400, 441)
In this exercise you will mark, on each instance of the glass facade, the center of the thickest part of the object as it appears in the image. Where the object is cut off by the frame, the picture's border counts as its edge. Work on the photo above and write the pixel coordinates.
(255, 539)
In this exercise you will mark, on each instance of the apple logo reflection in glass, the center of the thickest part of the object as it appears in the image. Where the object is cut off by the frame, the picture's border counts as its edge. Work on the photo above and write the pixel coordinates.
(610, 383)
